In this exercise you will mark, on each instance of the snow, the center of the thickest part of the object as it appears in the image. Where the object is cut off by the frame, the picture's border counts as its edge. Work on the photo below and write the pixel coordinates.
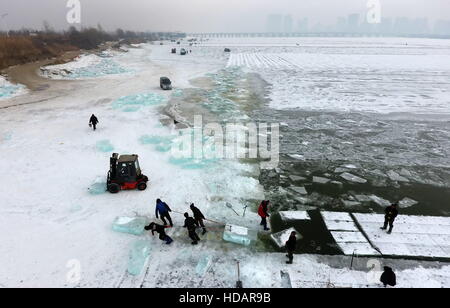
(311, 274)
(351, 75)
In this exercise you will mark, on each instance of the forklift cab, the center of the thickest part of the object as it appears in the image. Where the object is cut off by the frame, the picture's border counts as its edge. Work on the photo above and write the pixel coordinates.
(125, 174)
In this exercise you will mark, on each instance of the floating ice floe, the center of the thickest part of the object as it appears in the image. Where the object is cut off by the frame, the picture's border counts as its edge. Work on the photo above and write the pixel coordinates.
(363, 198)
(394, 176)
(282, 237)
(296, 178)
(337, 183)
(130, 225)
(239, 235)
(139, 254)
(297, 156)
(353, 178)
(348, 203)
(320, 180)
(407, 202)
(380, 201)
(294, 215)
(300, 190)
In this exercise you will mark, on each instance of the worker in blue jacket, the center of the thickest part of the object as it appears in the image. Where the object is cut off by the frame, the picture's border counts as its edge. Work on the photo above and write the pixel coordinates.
(163, 210)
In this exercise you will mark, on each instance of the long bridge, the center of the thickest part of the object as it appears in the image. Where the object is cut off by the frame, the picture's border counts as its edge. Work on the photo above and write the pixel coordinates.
(307, 34)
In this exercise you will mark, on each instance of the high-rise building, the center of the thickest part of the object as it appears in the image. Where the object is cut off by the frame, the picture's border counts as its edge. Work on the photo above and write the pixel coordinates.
(302, 25)
(288, 24)
(274, 23)
(353, 23)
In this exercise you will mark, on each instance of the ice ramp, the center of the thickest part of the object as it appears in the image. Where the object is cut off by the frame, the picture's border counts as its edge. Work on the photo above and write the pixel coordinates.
(418, 237)
(413, 236)
(347, 235)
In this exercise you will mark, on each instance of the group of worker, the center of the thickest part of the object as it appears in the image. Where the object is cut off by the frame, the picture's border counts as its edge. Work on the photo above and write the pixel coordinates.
(163, 210)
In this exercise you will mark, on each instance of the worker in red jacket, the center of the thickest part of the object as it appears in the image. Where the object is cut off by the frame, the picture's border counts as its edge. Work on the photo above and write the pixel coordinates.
(263, 211)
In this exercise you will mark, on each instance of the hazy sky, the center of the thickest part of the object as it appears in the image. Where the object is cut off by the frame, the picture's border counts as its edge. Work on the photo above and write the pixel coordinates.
(204, 15)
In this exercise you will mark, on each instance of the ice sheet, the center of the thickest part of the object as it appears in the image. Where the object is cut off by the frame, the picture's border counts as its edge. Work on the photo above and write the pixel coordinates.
(139, 255)
(130, 225)
(203, 265)
(239, 235)
(294, 215)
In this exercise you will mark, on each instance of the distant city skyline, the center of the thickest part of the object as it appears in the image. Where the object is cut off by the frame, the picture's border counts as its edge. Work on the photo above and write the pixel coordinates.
(357, 23)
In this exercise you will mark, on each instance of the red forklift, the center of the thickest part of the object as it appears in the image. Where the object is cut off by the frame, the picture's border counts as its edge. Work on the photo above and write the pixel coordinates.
(125, 174)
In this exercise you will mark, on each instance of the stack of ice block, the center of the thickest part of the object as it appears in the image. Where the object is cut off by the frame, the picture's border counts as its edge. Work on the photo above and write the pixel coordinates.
(239, 235)
(139, 255)
(130, 225)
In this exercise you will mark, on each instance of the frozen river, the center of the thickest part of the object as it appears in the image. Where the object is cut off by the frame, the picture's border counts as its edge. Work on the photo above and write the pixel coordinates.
(364, 122)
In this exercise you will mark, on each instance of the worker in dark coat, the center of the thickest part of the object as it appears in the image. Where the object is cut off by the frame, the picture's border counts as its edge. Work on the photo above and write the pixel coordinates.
(161, 230)
(388, 278)
(198, 217)
(191, 225)
(163, 210)
(93, 121)
(291, 245)
(263, 212)
(391, 213)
